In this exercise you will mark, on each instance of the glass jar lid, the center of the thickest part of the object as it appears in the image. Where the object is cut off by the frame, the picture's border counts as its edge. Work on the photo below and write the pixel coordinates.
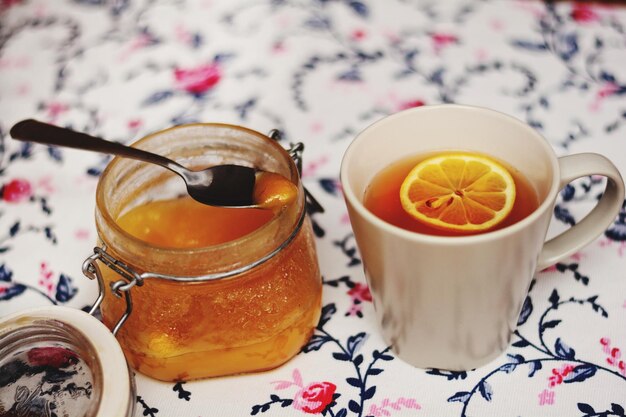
(62, 361)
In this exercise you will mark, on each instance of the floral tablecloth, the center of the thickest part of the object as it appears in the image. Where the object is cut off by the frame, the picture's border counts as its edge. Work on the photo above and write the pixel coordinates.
(320, 71)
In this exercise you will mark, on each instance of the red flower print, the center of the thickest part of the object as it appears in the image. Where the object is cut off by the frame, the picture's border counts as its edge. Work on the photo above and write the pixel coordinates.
(613, 355)
(360, 292)
(315, 397)
(582, 13)
(16, 190)
(410, 104)
(558, 374)
(57, 357)
(197, 80)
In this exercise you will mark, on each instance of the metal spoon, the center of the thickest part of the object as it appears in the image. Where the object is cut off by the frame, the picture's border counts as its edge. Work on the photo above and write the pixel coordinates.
(221, 185)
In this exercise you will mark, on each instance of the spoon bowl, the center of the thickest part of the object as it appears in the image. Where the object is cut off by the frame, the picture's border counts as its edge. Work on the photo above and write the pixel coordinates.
(220, 185)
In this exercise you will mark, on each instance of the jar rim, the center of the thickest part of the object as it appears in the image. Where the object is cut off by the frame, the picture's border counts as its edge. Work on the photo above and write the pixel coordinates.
(104, 210)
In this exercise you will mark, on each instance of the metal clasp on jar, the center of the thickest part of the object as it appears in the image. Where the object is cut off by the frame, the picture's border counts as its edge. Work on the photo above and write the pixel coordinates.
(131, 278)
(295, 150)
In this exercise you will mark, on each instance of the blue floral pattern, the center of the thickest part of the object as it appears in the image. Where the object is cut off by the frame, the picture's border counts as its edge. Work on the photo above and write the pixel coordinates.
(320, 71)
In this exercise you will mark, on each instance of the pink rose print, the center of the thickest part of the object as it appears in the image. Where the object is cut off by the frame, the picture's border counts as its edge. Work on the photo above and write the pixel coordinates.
(315, 397)
(312, 398)
(16, 190)
(197, 80)
(582, 13)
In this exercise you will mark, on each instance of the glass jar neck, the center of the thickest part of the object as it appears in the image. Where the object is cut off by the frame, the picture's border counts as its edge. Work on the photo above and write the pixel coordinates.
(127, 183)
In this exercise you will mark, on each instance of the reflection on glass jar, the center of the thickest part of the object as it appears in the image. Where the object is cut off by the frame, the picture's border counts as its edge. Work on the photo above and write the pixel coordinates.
(182, 327)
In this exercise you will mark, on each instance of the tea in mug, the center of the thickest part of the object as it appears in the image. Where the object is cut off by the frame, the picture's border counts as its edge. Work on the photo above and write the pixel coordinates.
(438, 175)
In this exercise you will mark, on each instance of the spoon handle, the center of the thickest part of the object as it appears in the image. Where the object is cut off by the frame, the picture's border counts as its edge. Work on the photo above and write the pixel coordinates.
(35, 131)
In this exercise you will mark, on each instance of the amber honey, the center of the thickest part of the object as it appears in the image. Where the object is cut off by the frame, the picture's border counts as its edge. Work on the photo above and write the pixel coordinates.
(252, 322)
(382, 198)
(246, 321)
(185, 223)
(217, 328)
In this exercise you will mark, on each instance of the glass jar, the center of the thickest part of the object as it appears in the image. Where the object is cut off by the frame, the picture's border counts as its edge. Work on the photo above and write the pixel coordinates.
(246, 305)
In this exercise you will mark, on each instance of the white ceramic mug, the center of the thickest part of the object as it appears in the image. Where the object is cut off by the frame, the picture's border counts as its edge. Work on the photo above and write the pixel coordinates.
(453, 302)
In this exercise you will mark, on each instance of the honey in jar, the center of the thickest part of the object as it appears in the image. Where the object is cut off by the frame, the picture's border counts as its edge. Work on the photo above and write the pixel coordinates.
(224, 290)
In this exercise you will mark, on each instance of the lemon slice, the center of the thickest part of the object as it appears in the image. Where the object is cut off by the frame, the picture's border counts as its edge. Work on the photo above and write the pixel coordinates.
(462, 192)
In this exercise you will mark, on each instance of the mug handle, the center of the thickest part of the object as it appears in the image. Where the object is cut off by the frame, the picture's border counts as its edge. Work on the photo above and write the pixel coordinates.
(598, 219)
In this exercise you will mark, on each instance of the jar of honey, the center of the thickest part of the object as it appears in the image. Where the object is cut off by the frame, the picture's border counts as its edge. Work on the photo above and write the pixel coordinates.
(203, 291)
